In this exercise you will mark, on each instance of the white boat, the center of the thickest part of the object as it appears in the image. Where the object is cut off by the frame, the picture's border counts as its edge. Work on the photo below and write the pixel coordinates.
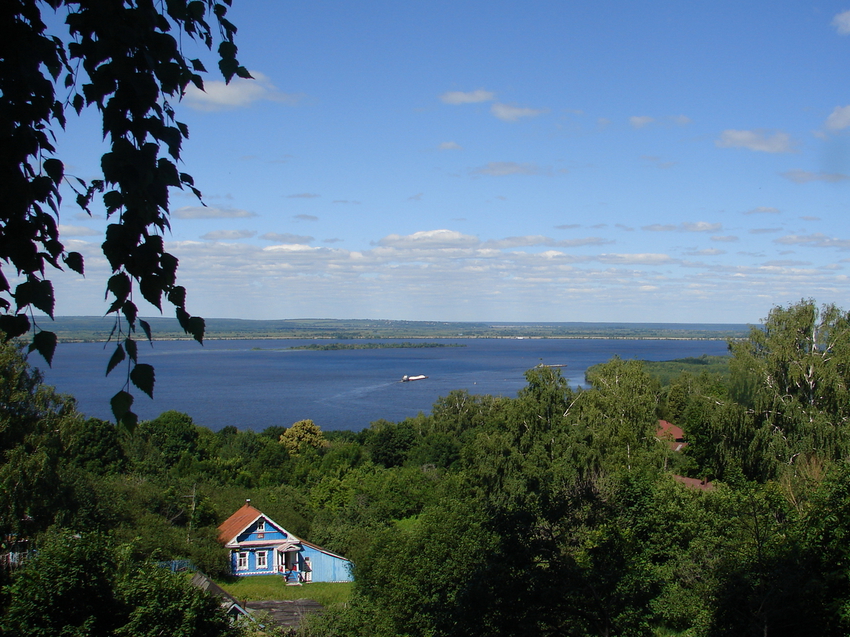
(407, 379)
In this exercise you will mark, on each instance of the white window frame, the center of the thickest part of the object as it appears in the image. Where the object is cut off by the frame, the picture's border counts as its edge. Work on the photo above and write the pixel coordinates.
(242, 561)
(261, 526)
(262, 559)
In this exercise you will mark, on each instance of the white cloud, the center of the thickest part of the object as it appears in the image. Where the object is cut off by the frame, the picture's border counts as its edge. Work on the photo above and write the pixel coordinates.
(839, 119)
(286, 237)
(509, 113)
(804, 176)
(459, 97)
(786, 263)
(641, 121)
(450, 146)
(701, 226)
(228, 235)
(239, 93)
(208, 212)
(502, 168)
(725, 239)
(762, 210)
(681, 120)
(697, 226)
(78, 231)
(539, 240)
(635, 259)
(764, 230)
(306, 217)
(707, 252)
(429, 239)
(816, 240)
(293, 248)
(757, 140)
(841, 22)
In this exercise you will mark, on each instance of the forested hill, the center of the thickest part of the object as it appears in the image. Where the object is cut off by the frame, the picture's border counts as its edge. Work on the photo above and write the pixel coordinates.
(557, 512)
(89, 328)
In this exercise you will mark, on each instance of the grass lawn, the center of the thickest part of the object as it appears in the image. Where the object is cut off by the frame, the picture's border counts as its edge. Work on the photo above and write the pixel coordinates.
(263, 587)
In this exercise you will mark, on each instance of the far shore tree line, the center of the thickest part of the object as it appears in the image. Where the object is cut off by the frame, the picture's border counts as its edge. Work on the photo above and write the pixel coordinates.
(552, 513)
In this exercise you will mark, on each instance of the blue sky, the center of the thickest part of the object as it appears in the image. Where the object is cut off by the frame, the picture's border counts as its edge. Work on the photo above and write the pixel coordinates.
(509, 161)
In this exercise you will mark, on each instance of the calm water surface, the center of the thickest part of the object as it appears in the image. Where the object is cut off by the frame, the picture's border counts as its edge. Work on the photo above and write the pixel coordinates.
(255, 384)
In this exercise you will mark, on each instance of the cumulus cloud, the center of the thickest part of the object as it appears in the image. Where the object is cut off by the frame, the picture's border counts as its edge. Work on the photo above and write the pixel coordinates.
(568, 226)
(764, 230)
(450, 146)
(77, 231)
(286, 238)
(209, 212)
(804, 176)
(640, 121)
(442, 270)
(228, 235)
(509, 113)
(762, 210)
(429, 239)
(539, 240)
(239, 93)
(471, 97)
(306, 217)
(503, 168)
(724, 239)
(839, 119)
(707, 252)
(636, 259)
(816, 240)
(758, 140)
(303, 195)
(698, 226)
(786, 263)
(841, 22)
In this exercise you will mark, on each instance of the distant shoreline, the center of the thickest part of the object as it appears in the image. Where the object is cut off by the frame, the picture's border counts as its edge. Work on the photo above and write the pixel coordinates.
(385, 338)
(98, 329)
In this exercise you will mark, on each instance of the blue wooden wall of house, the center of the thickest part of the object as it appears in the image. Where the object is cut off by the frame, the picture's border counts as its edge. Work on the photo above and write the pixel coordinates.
(326, 566)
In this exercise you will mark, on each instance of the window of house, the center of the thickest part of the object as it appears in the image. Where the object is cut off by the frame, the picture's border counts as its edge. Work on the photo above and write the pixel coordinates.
(261, 526)
(261, 559)
(242, 561)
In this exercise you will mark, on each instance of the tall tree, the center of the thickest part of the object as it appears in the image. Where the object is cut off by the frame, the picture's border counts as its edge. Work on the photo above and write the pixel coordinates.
(792, 376)
(125, 58)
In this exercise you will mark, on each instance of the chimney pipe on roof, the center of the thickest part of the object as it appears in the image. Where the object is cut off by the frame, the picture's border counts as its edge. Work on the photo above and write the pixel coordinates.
(247, 500)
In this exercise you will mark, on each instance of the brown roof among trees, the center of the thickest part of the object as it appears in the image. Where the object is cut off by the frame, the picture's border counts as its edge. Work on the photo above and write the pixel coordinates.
(233, 525)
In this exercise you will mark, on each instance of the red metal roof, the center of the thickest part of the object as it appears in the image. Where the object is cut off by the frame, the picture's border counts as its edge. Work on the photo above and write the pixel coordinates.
(666, 429)
(237, 522)
(695, 483)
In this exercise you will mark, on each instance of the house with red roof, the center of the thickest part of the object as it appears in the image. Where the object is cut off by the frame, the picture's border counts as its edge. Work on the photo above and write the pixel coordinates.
(671, 434)
(260, 546)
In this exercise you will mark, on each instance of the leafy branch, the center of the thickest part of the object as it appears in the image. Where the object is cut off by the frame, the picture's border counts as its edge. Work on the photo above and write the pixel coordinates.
(125, 59)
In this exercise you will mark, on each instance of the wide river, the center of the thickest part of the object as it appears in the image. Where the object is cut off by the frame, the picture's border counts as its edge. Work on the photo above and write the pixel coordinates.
(253, 384)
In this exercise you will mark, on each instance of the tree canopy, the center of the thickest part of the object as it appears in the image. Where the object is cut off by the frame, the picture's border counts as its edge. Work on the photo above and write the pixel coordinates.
(126, 59)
